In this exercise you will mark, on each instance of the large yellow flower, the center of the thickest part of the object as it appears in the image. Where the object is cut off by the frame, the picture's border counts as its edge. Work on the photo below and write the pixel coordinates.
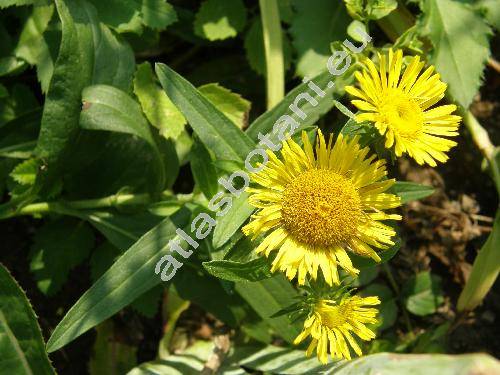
(332, 323)
(400, 107)
(315, 207)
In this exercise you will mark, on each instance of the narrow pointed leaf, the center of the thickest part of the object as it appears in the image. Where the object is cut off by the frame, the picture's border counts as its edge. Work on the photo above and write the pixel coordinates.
(215, 130)
(129, 277)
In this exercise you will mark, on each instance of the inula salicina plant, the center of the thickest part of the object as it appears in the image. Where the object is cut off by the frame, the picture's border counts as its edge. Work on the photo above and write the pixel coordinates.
(233, 187)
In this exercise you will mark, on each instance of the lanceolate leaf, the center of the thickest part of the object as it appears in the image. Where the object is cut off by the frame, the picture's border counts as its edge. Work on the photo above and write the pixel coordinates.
(410, 191)
(203, 170)
(129, 277)
(214, 129)
(461, 48)
(22, 350)
(228, 224)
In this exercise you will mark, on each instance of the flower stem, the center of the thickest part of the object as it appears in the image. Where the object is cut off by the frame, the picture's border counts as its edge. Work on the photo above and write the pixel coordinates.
(273, 46)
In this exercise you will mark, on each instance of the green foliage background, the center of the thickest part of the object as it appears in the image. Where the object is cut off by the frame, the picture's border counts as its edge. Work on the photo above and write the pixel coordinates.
(118, 117)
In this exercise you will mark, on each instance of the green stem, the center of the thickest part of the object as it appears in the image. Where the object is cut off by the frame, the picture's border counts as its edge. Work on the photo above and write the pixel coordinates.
(109, 201)
(273, 46)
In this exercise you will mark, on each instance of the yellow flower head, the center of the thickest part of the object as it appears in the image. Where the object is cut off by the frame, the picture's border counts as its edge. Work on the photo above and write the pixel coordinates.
(330, 324)
(400, 107)
(315, 208)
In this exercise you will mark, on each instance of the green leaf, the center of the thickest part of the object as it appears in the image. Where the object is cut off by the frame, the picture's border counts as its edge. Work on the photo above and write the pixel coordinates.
(114, 63)
(411, 191)
(22, 350)
(315, 25)
(254, 270)
(32, 46)
(254, 48)
(8, 3)
(423, 294)
(58, 247)
(419, 364)
(272, 359)
(230, 104)
(72, 72)
(204, 173)
(88, 53)
(120, 229)
(269, 296)
(219, 19)
(158, 14)
(371, 9)
(461, 48)
(491, 11)
(100, 157)
(231, 222)
(190, 362)
(122, 15)
(25, 172)
(214, 129)
(158, 108)
(108, 108)
(129, 277)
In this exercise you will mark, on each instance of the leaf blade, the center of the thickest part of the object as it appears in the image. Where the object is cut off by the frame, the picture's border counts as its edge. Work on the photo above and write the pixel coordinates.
(215, 130)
